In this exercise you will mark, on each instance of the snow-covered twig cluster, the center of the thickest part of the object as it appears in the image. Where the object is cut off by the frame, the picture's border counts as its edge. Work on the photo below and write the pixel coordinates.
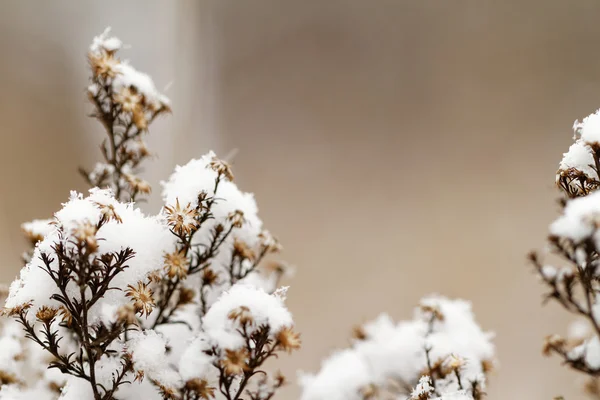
(440, 354)
(116, 304)
(570, 267)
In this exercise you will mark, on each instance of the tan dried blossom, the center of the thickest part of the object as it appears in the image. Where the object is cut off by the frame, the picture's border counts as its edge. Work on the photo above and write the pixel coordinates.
(242, 250)
(85, 233)
(358, 333)
(183, 220)
(143, 302)
(234, 362)
(167, 392)
(33, 237)
(553, 342)
(129, 99)
(108, 212)
(137, 184)
(487, 366)
(369, 391)
(140, 120)
(209, 277)
(201, 388)
(46, 314)
(454, 363)
(103, 65)
(288, 340)
(176, 264)
(269, 242)
(155, 276)
(186, 296)
(241, 314)
(280, 379)
(236, 218)
(126, 314)
(7, 378)
(66, 316)
(432, 310)
(222, 168)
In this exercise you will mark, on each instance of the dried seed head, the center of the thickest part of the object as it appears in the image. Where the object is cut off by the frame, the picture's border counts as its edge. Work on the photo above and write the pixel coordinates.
(269, 242)
(222, 168)
(209, 277)
(369, 391)
(126, 315)
(234, 362)
(108, 212)
(241, 314)
(236, 218)
(85, 233)
(186, 296)
(143, 302)
(359, 333)
(46, 314)
(176, 264)
(200, 388)
(182, 220)
(553, 342)
(432, 310)
(137, 184)
(242, 250)
(129, 99)
(103, 65)
(288, 340)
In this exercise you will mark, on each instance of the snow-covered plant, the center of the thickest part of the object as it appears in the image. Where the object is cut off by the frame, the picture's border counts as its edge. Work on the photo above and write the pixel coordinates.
(440, 354)
(572, 275)
(116, 304)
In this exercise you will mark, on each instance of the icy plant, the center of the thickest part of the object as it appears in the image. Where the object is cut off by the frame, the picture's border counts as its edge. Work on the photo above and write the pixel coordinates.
(116, 304)
(573, 274)
(440, 354)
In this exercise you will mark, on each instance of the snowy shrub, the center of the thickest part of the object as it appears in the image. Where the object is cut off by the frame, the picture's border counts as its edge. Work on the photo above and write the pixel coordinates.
(440, 354)
(572, 274)
(116, 304)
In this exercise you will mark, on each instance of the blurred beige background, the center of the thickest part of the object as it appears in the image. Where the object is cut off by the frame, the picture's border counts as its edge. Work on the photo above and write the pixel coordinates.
(396, 147)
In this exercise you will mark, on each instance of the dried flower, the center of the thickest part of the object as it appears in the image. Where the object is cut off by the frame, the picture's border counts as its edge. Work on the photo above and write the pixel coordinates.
(176, 264)
(209, 277)
(221, 168)
(269, 242)
(183, 220)
(126, 314)
(242, 250)
(237, 218)
(201, 388)
(186, 296)
(288, 340)
(46, 314)
(137, 184)
(108, 212)
(234, 362)
(241, 314)
(143, 302)
(85, 233)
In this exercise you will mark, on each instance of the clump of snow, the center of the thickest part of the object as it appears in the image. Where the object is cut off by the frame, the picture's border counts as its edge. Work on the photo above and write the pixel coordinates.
(589, 128)
(266, 309)
(398, 352)
(579, 219)
(579, 157)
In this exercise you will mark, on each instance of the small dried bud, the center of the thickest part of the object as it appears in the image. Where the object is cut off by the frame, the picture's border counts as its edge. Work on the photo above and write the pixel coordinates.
(288, 340)
(103, 65)
(222, 168)
(234, 362)
(143, 302)
(129, 99)
(209, 277)
(241, 314)
(46, 314)
(236, 218)
(183, 220)
(359, 333)
(176, 264)
(242, 250)
(66, 316)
